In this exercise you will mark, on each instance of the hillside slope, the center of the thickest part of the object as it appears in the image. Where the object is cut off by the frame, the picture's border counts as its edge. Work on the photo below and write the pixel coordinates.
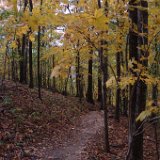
(27, 123)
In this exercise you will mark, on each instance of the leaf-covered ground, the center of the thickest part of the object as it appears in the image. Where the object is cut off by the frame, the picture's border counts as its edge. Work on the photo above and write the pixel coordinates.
(74, 146)
(59, 127)
(29, 125)
(118, 135)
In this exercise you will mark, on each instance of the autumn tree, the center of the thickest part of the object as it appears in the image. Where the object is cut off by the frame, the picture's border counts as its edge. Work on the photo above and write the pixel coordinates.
(137, 40)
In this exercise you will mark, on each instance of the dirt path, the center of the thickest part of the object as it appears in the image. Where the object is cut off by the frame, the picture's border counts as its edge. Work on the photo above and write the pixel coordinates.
(73, 147)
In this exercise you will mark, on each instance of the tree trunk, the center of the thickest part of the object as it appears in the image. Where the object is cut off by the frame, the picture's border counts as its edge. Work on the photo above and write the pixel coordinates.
(104, 68)
(78, 74)
(104, 71)
(31, 84)
(99, 85)
(13, 67)
(118, 90)
(23, 55)
(54, 79)
(30, 65)
(22, 61)
(25, 63)
(155, 94)
(138, 91)
(89, 95)
(38, 63)
(125, 90)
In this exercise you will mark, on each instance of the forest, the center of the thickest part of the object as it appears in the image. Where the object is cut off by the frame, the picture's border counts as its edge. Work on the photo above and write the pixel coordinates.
(79, 80)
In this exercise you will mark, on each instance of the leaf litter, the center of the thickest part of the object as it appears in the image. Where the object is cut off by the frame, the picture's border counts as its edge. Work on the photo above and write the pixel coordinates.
(59, 127)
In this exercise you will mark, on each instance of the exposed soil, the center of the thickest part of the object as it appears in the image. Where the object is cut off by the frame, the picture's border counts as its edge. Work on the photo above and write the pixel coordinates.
(75, 144)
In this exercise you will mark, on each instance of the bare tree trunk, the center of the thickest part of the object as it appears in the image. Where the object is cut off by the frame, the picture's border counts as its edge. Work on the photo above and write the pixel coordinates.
(104, 67)
(99, 84)
(22, 60)
(104, 71)
(30, 66)
(25, 63)
(125, 90)
(38, 59)
(54, 80)
(23, 56)
(31, 84)
(38, 63)
(89, 95)
(78, 74)
(118, 90)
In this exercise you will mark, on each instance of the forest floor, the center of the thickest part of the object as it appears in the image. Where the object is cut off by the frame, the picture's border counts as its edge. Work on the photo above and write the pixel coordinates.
(73, 148)
(118, 138)
(59, 128)
(29, 125)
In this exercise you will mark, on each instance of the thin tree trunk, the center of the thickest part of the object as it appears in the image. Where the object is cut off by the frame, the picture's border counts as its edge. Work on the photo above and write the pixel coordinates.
(125, 90)
(38, 59)
(104, 71)
(89, 95)
(78, 74)
(22, 60)
(104, 67)
(54, 80)
(155, 94)
(9, 70)
(5, 65)
(81, 87)
(25, 63)
(38, 63)
(99, 85)
(30, 66)
(31, 84)
(118, 90)
(13, 67)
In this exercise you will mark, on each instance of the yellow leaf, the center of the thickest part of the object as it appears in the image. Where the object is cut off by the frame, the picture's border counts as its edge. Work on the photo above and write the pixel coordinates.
(143, 115)
(13, 45)
(32, 37)
(22, 30)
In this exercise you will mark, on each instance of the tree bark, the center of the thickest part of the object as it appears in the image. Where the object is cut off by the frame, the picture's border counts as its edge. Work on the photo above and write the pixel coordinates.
(104, 68)
(30, 65)
(78, 74)
(89, 95)
(22, 61)
(38, 63)
(99, 85)
(104, 71)
(138, 91)
(31, 84)
(118, 90)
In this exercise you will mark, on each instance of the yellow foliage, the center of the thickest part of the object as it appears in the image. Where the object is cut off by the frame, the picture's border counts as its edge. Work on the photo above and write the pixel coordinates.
(111, 82)
(150, 110)
(32, 37)
(14, 45)
(22, 30)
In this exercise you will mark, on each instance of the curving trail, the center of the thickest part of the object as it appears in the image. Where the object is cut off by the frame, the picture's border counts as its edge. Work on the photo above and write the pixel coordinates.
(73, 147)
